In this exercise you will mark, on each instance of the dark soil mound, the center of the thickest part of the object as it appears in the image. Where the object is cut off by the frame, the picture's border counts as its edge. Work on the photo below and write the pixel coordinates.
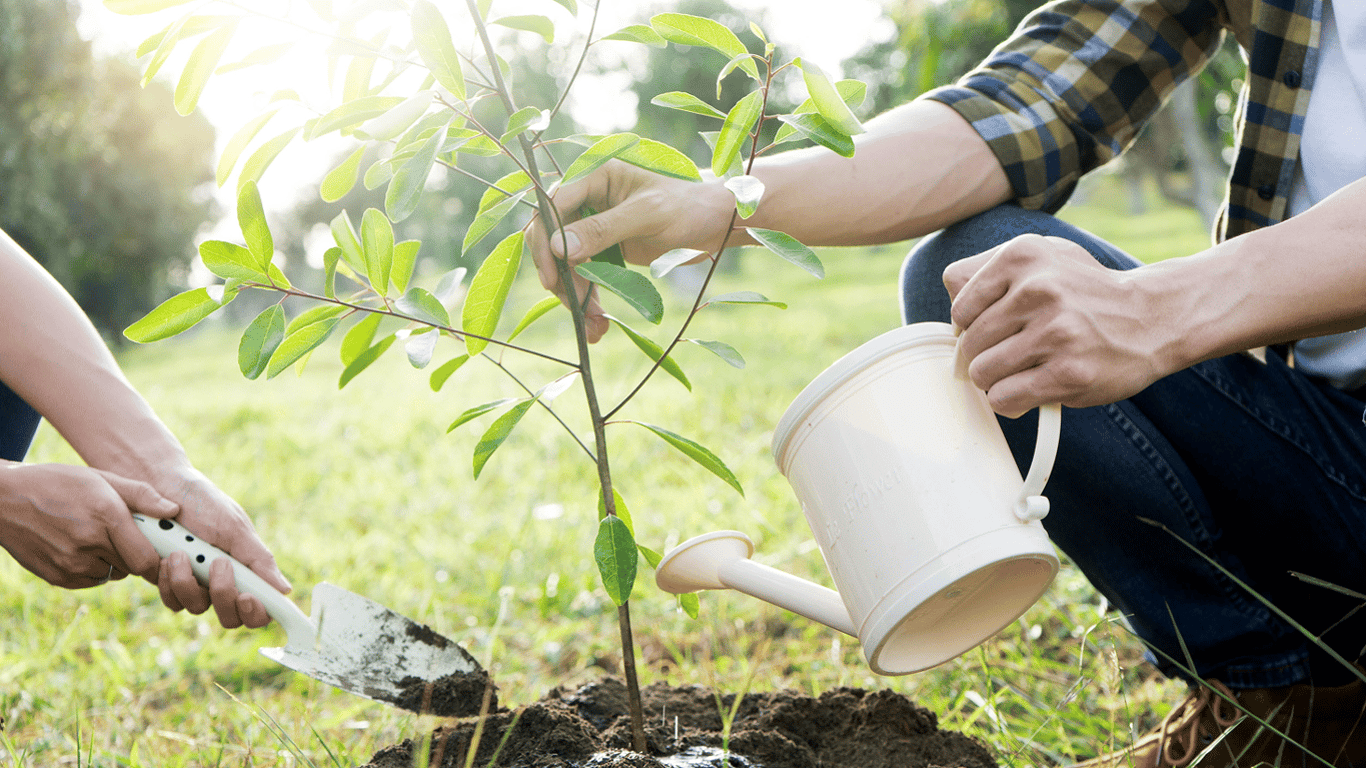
(588, 727)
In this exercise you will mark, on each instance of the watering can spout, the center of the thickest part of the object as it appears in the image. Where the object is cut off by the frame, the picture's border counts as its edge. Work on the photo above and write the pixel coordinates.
(721, 560)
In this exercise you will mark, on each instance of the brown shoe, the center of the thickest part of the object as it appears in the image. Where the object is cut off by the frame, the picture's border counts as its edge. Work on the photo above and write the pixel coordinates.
(1328, 722)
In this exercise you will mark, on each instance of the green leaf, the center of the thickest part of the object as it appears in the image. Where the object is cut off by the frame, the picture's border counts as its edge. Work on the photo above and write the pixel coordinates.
(639, 33)
(170, 38)
(487, 220)
(635, 288)
(259, 341)
(139, 7)
(359, 338)
(175, 315)
(345, 236)
(504, 188)
(525, 119)
(687, 103)
(618, 506)
(601, 151)
(787, 247)
(264, 155)
(489, 292)
(735, 132)
(440, 375)
(297, 344)
(331, 260)
(827, 99)
(684, 29)
(745, 297)
(677, 257)
(652, 557)
(420, 304)
(471, 414)
(268, 54)
(405, 189)
(251, 217)
(231, 261)
(318, 314)
(497, 433)
(364, 359)
(436, 47)
(405, 257)
(398, 119)
(852, 91)
(239, 142)
(654, 352)
(448, 287)
(532, 315)
(731, 65)
(698, 454)
(352, 113)
(615, 552)
(538, 24)
(420, 346)
(748, 191)
(341, 179)
(722, 350)
(570, 5)
(377, 245)
(360, 73)
(819, 130)
(690, 602)
(661, 158)
(201, 64)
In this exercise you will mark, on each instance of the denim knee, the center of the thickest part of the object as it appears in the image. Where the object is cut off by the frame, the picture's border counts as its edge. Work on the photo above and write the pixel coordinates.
(923, 297)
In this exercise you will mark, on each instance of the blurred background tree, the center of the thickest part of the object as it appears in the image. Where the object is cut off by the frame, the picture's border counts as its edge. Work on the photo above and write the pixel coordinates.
(1182, 150)
(99, 179)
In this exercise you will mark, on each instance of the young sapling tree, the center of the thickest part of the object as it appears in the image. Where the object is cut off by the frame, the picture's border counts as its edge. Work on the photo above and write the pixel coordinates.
(419, 100)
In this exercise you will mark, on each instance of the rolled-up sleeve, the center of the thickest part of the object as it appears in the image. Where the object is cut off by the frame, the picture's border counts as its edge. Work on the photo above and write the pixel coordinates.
(1072, 87)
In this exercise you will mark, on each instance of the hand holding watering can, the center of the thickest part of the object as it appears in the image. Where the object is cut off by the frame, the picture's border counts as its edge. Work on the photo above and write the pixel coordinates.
(930, 534)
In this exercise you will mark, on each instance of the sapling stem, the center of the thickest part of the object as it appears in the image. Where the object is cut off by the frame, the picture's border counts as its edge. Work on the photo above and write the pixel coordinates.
(576, 305)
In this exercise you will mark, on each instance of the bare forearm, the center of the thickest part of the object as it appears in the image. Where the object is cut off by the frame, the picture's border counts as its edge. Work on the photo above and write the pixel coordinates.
(1301, 278)
(919, 168)
(51, 356)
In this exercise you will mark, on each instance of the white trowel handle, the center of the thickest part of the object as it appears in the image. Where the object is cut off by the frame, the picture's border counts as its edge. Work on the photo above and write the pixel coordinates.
(168, 536)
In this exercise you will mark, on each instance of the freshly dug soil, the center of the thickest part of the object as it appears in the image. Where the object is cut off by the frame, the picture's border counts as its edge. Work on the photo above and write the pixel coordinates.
(588, 727)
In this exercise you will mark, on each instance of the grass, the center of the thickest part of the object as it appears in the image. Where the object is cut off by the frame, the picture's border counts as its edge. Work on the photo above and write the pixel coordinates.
(363, 488)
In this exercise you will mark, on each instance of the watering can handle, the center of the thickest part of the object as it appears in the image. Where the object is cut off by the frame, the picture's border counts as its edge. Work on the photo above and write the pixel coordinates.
(1031, 504)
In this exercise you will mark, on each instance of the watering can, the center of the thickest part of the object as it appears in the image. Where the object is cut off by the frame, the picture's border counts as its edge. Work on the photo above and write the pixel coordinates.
(930, 534)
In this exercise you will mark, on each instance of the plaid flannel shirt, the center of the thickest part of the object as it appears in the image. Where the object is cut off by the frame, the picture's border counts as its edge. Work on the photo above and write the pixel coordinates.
(1071, 88)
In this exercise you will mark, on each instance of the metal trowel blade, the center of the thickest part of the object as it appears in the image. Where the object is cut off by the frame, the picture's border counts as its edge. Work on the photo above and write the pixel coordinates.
(367, 649)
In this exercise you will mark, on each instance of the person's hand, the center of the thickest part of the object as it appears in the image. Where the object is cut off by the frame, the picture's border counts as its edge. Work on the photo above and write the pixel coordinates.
(1043, 322)
(71, 525)
(645, 213)
(219, 520)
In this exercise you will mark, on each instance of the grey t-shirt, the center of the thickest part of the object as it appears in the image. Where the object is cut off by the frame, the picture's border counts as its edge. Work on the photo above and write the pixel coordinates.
(1333, 155)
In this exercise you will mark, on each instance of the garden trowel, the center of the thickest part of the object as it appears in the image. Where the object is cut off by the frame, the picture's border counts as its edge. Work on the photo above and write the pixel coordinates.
(350, 642)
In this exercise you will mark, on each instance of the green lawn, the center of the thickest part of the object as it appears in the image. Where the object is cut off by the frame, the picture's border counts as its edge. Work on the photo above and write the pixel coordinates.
(363, 488)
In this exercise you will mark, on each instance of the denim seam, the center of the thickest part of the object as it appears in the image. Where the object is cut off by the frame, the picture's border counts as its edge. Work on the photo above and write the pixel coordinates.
(1283, 429)
(1181, 497)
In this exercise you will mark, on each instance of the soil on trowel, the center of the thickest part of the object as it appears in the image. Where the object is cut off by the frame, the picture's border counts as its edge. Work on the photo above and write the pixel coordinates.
(459, 695)
(588, 727)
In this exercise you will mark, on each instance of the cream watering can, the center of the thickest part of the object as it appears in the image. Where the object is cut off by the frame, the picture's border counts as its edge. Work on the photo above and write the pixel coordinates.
(929, 533)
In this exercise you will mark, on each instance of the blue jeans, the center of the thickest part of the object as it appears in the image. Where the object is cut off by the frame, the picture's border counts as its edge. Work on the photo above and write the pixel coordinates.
(1256, 465)
(18, 422)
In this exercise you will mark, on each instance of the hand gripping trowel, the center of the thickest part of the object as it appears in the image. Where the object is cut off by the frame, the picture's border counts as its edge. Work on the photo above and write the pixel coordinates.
(350, 642)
